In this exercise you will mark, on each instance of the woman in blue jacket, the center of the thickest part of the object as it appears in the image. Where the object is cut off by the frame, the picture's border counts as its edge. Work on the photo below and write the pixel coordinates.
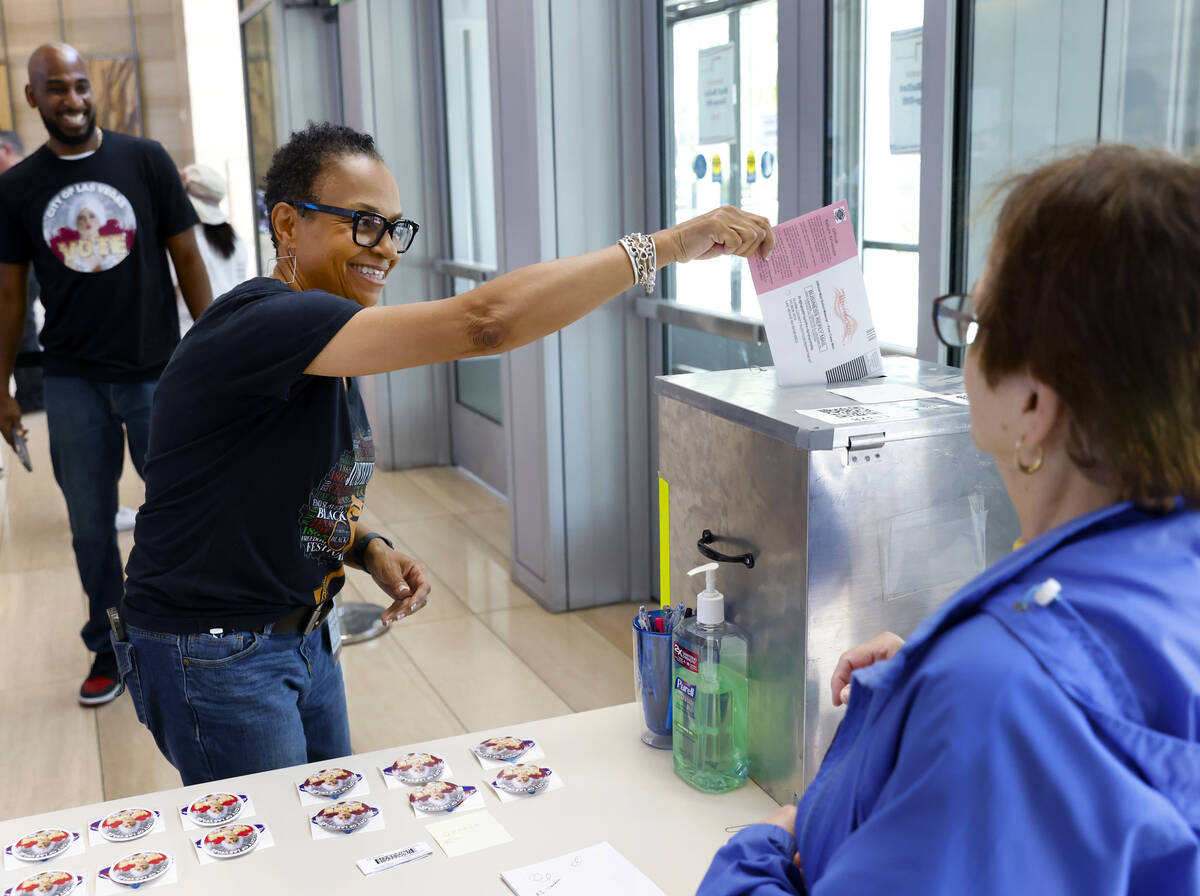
(1040, 733)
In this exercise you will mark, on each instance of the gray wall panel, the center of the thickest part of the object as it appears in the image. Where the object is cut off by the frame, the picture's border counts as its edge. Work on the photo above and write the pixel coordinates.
(571, 157)
(522, 119)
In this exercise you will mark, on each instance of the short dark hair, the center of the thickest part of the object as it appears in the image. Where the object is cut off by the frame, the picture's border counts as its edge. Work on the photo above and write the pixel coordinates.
(299, 163)
(1093, 286)
(13, 140)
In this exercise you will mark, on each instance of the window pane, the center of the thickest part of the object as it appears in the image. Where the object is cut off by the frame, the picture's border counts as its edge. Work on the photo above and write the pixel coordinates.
(258, 35)
(690, 351)
(1156, 101)
(759, 107)
(1047, 81)
(1042, 88)
(891, 279)
(478, 387)
(469, 131)
(892, 123)
(1035, 92)
(721, 109)
(471, 177)
(875, 91)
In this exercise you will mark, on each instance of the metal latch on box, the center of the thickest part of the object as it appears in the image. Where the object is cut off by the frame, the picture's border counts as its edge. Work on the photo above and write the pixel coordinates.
(866, 441)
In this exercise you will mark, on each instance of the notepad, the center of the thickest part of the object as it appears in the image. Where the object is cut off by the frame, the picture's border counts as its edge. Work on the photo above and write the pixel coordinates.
(595, 871)
(466, 833)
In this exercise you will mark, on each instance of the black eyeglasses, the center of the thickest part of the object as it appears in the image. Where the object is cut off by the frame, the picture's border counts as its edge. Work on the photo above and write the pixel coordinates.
(370, 227)
(954, 319)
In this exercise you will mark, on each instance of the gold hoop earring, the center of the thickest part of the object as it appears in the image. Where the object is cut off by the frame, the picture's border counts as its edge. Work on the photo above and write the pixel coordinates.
(290, 254)
(1027, 469)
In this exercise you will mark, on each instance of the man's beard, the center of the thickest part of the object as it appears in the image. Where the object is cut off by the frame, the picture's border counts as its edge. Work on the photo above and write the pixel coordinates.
(61, 137)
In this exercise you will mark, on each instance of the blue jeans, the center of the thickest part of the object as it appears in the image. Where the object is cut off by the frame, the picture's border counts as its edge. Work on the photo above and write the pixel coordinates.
(87, 451)
(239, 702)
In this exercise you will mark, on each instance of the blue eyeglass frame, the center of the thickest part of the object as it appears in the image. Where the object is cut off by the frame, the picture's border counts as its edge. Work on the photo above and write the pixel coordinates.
(356, 215)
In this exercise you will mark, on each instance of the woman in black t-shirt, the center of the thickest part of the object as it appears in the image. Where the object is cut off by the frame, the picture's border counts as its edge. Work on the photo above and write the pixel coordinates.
(260, 452)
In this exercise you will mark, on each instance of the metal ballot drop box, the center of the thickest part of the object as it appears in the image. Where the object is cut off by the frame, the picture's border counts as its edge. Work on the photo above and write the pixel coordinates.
(855, 528)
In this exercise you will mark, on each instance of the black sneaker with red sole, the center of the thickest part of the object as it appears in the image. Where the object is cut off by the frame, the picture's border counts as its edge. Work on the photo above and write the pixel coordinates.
(103, 683)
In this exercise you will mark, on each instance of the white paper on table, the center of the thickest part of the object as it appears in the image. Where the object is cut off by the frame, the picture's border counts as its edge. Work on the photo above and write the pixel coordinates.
(814, 301)
(394, 783)
(556, 783)
(95, 838)
(265, 841)
(473, 802)
(12, 891)
(189, 825)
(534, 752)
(467, 833)
(11, 862)
(853, 414)
(596, 871)
(319, 833)
(954, 397)
(359, 790)
(883, 393)
(106, 887)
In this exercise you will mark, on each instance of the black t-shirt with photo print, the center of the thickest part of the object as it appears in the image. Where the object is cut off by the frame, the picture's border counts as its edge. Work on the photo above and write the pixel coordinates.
(95, 230)
(256, 472)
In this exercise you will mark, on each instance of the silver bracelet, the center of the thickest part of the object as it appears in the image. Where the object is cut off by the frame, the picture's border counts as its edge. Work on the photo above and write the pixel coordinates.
(643, 256)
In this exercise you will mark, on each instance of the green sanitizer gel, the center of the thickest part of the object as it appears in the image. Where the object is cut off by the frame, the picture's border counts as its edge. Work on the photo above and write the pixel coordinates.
(710, 694)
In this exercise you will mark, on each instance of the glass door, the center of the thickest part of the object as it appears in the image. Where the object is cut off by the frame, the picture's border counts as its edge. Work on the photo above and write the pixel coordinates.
(477, 440)
(875, 55)
(721, 123)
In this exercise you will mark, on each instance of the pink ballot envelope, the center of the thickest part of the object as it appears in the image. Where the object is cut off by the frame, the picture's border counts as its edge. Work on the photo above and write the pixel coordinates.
(814, 301)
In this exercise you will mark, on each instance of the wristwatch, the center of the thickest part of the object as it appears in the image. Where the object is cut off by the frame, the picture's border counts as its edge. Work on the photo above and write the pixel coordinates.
(358, 551)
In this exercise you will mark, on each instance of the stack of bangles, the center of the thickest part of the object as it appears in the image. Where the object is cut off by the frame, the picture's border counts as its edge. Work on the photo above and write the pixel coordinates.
(643, 256)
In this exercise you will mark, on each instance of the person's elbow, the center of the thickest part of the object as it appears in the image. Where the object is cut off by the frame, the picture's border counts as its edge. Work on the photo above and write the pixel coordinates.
(487, 336)
(488, 328)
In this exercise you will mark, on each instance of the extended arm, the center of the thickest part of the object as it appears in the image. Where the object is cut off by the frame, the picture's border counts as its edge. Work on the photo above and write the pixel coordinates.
(13, 297)
(523, 305)
(189, 268)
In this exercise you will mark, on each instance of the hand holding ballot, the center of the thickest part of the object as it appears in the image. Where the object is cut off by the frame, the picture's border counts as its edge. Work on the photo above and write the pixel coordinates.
(814, 301)
(722, 231)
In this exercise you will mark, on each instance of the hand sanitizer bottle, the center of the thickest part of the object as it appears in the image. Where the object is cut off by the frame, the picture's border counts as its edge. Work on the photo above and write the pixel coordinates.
(710, 694)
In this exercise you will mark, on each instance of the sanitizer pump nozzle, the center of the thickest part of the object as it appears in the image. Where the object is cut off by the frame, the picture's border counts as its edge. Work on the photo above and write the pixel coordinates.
(710, 603)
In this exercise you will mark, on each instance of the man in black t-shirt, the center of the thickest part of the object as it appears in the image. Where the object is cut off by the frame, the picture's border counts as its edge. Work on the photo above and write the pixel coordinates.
(96, 214)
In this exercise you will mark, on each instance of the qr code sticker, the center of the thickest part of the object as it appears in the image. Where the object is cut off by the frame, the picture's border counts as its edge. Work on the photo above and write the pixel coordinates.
(855, 413)
(839, 215)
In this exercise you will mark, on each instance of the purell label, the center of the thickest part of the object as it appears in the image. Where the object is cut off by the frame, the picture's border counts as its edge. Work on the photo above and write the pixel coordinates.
(685, 657)
(688, 690)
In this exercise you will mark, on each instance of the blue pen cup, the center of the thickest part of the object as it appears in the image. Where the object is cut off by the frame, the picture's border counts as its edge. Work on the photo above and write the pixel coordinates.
(652, 682)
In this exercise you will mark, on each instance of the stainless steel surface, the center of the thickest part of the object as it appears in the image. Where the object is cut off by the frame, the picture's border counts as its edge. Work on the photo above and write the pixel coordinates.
(731, 326)
(753, 399)
(467, 270)
(360, 622)
(848, 542)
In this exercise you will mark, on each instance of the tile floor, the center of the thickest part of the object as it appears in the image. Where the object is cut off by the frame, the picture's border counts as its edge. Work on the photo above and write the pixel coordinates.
(483, 654)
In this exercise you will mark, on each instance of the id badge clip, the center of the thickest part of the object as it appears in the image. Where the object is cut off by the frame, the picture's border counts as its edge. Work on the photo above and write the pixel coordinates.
(334, 622)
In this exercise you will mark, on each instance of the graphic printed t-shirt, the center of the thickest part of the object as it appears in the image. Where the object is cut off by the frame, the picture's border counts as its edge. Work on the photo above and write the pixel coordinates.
(256, 472)
(95, 231)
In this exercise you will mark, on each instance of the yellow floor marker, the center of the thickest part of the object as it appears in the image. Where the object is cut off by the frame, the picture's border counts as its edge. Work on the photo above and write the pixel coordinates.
(664, 543)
